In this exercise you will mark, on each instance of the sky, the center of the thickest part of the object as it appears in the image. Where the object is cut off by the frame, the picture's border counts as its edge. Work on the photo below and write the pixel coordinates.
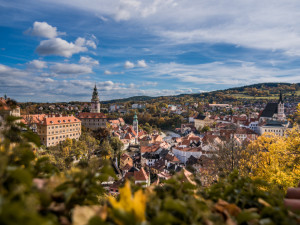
(57, 50)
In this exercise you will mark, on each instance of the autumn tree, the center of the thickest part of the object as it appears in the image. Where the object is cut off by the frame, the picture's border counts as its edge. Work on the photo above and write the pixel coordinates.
(117, 146)
(274, 159)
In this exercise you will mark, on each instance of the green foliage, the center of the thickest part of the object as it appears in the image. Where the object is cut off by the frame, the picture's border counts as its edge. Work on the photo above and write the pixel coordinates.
(34, 191)
(64, 154)
(264, 199)
(205, 129)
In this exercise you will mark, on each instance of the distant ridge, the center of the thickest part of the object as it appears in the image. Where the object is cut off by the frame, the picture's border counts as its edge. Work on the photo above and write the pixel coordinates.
(260, 86)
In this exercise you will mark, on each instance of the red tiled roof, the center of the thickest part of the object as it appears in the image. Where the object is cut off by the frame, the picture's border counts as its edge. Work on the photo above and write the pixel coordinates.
(188, 149)
(128, 136)
(124, 156)
(32, 118)
(114, 121)
(127, 167)
(140, 175)
(86, 115)
(150, 148)
(59, 120)
(3, 105)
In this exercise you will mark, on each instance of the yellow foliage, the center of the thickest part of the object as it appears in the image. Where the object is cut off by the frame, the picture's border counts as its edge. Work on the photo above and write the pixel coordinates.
(82, 214)
(135, 204)
(274, 159)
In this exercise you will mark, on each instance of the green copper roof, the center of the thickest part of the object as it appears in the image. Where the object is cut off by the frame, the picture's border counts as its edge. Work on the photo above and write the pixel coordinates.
(135, 118)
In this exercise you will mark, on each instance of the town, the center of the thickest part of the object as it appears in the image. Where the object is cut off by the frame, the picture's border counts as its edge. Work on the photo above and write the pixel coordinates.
(147, 153)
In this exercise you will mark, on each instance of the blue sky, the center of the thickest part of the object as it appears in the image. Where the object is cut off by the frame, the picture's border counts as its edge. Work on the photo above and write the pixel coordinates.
(56, 50)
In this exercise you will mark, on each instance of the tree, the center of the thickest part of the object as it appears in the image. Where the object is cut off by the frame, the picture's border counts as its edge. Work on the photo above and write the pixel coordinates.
(205, 129)
(117, 146)
(274, 159)
(101, 133)
(297, 114)
(228, 156)
(105, 149)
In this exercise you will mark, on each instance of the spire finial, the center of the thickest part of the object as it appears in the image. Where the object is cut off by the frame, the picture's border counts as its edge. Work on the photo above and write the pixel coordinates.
(280, 97)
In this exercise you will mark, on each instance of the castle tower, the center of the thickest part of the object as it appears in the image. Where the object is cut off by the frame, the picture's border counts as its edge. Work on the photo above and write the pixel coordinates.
(136, 125)
(95, 106)
(280, 110)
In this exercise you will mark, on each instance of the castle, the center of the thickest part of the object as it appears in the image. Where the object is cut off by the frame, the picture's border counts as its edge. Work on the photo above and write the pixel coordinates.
(93, 119)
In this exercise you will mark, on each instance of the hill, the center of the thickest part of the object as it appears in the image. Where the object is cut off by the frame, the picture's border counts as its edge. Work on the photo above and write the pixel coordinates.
(254, 91)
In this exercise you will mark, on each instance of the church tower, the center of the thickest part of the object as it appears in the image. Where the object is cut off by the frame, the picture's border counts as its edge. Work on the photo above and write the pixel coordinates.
(280, 110)
(95, 106)
(136, 125)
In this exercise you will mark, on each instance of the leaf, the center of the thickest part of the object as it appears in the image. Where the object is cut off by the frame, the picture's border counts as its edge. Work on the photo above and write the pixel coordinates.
(246, 216)
(82, 214)
(129, 203)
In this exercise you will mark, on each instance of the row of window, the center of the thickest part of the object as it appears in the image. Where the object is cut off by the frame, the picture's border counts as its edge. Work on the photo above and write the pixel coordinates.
(60, 126)
(93, 120)
(63, 136)
(63, 131)
(269, 130)
(63, 121)
(96, 124)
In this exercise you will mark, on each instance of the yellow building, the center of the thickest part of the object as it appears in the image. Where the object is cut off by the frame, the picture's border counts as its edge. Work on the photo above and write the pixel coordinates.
(54, 129)
(202, 121)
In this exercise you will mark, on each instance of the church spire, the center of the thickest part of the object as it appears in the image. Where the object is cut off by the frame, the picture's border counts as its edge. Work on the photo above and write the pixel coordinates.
(280, 98)
(95, 96)
(95, 106)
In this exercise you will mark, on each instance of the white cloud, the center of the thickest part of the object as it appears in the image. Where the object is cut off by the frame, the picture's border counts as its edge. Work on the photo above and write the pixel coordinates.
(91, 44)
(125, 9)
(37, 64)
(107, 72)
(88, 60)
(128, 65)
(60, 47)
(67, 69)
(253, 24)
(6, 71)
(83, 42)
(104, 19)
(141, 63)
(222, 73)
(43, 29)
(149, 83)
(131, 85)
